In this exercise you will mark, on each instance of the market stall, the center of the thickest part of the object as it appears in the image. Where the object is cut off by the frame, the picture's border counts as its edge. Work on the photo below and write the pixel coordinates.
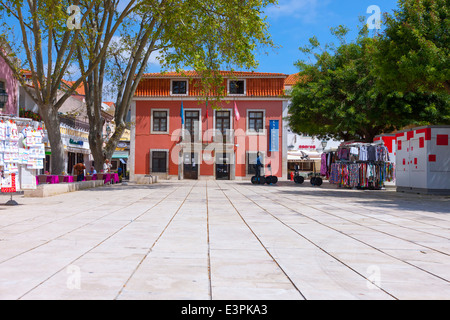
(22, 154)
(359, 165)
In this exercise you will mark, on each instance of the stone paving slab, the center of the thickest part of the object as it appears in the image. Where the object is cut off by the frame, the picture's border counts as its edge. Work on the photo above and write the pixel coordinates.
(211, 240)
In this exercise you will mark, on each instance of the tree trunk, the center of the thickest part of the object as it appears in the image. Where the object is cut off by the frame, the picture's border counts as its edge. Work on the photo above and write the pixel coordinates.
(114, 140)
(96, 143)
(52, 125)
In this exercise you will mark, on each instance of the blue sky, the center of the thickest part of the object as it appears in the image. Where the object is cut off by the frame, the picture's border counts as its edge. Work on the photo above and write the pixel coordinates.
(294, 22)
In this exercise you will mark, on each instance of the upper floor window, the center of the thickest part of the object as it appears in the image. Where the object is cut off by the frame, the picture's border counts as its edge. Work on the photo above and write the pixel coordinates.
(236, 87)
(256, 121)
(179, 87)
(2, 91)
(160, 120)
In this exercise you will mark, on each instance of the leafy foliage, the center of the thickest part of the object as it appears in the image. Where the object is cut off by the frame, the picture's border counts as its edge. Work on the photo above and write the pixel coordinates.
(414, 52)
(339, 96)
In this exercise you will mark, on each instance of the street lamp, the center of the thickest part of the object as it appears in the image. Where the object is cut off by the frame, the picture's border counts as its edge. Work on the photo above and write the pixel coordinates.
(324, 144)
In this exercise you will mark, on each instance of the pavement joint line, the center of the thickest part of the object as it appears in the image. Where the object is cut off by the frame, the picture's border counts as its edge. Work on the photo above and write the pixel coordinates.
(56, 220)
(363, 242)
(62, 235)
(376, 230)
(155, 242)
(316, 245)
(45, 214)
(259, 240)
(383, 232)
(396, 216)
(111, 235)
(209, 243)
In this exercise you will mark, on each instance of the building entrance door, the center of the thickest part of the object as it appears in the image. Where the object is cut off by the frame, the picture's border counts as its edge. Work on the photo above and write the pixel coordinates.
(223, 166)
(190, 166)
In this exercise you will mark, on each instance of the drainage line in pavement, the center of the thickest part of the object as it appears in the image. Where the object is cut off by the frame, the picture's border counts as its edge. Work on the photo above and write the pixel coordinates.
(69, 232)
(317, 246)
(209, 244)
(107, 238)
(154, 243)
(379, 250)
(367, 244)
(259, 240)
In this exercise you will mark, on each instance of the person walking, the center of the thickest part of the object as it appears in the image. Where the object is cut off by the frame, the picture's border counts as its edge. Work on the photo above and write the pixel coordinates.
(79, 171)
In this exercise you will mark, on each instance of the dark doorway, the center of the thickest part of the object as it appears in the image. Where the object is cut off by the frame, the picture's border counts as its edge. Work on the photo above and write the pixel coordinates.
(190, 166)
(71, 162)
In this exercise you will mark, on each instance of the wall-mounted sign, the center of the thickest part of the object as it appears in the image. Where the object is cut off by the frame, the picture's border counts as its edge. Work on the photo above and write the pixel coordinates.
(79, 143)
(274, 142)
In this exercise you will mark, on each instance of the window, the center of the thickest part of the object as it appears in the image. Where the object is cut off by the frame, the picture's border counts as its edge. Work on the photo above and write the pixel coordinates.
(251, 162)
(236, 87)
(256, 121)
(2, 90)
(179, 87)
(160, 121)
(192, 122)
(223, 123)
(159, 161)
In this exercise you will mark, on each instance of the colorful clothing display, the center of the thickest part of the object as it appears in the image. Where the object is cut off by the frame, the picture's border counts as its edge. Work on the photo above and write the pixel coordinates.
(358, 165)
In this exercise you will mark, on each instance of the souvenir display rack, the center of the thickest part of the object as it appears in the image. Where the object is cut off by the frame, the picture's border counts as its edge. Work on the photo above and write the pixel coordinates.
(22, 153)
(359, 165)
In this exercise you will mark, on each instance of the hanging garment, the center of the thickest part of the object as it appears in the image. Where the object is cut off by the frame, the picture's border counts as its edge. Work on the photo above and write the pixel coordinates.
(363, 155)
(371, 153)
(323, 166)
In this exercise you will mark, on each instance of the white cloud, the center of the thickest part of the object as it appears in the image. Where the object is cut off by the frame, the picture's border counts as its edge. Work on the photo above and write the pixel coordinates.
(305, 10)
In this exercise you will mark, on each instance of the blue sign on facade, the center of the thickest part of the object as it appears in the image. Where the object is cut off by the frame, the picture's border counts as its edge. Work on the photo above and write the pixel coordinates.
(274, 142)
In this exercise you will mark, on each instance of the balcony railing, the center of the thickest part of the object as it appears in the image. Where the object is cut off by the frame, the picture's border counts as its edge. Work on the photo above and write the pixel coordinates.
(74, 123)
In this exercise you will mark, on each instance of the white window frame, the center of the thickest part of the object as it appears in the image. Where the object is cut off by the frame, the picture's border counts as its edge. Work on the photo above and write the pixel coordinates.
(151, 121)
(231, 120)
(254, 133)
(236, 94)
(177, 94)
(200, 125)
(167, 151)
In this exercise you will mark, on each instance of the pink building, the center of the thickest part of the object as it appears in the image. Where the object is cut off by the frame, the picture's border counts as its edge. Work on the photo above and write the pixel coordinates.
(176, 135)
(8, 90)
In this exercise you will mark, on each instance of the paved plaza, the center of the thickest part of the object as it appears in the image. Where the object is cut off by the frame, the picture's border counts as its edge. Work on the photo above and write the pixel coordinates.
(225, 240)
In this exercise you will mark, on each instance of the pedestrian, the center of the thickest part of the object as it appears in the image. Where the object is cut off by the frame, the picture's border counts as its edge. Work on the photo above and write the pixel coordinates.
(258, 164)
(106, 166)
(79, 171)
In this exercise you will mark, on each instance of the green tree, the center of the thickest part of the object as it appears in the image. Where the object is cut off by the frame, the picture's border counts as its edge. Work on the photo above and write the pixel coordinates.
(203, 35)
(48, 39)
(413, 53)
(338, 96)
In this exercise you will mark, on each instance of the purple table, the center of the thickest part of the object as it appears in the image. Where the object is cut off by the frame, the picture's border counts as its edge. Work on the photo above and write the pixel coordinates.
(116, 177)
(68, 179)
(107, 178)
(52, 179)
(37, 180)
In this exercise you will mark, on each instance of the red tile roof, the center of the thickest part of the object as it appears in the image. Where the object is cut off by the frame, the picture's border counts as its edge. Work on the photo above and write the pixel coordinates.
(194, 74)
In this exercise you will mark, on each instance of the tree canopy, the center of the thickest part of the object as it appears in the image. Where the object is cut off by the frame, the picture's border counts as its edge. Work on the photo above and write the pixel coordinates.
(339, 96)
(200, 34)
(413, 53)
